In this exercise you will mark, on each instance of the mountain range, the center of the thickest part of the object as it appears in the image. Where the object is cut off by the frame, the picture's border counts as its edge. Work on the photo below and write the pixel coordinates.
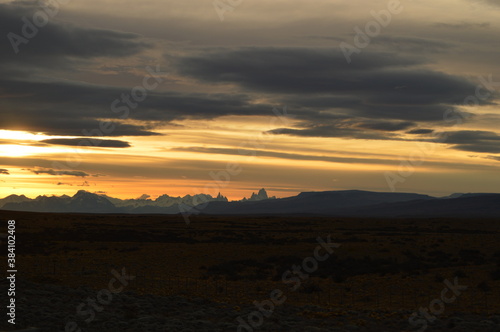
(347, 203)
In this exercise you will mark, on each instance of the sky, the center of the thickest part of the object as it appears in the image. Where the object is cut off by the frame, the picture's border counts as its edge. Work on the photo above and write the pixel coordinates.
(198, 96)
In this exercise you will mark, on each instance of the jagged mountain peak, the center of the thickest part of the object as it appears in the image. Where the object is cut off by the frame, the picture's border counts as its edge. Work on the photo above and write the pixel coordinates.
(260, 196)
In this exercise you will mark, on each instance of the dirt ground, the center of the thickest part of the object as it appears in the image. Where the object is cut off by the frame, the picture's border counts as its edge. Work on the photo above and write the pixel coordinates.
(380, 264)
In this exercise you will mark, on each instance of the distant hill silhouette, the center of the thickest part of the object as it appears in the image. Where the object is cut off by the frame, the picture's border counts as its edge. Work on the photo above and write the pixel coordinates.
(86, 202)
(320, 203)
(82, 201)
(347, 203)
(466, 206)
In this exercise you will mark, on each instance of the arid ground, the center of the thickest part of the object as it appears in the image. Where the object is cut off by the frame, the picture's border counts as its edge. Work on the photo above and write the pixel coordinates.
(380, 264)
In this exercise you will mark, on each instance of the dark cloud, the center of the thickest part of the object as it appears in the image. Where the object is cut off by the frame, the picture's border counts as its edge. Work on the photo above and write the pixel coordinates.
(379, 92)
(354, 127)
(316, 71)
(58, 40)
(48, 106)
(4, 171)
(54, 172)
(60, 108)
(465, 140)
(287, 70)
(420, 131)
(62, 121)
(386, 126)
(474, 141)
(484, 147)
(324, 108)
(468, 136)
(376, 85)
(85, 142)
(497, 158)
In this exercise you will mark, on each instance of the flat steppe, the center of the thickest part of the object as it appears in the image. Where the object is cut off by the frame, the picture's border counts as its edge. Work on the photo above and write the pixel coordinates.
(381, 265)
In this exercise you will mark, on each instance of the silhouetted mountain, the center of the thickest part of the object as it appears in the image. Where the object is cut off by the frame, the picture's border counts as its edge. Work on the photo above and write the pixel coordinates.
(82, 201)
(466, 206)
(355, 203)
(321, 203)
(260, 196)
(13, 199)
(349, 203)
(40, 204)
(86, 202)
(164, 201)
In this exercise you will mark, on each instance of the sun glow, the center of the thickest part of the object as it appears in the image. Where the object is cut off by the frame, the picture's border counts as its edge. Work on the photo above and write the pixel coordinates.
(21, 135)
(23, 143)
(11, 150)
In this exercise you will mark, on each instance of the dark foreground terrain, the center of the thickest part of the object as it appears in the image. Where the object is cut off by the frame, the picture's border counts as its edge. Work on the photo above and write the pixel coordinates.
(155, 273)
